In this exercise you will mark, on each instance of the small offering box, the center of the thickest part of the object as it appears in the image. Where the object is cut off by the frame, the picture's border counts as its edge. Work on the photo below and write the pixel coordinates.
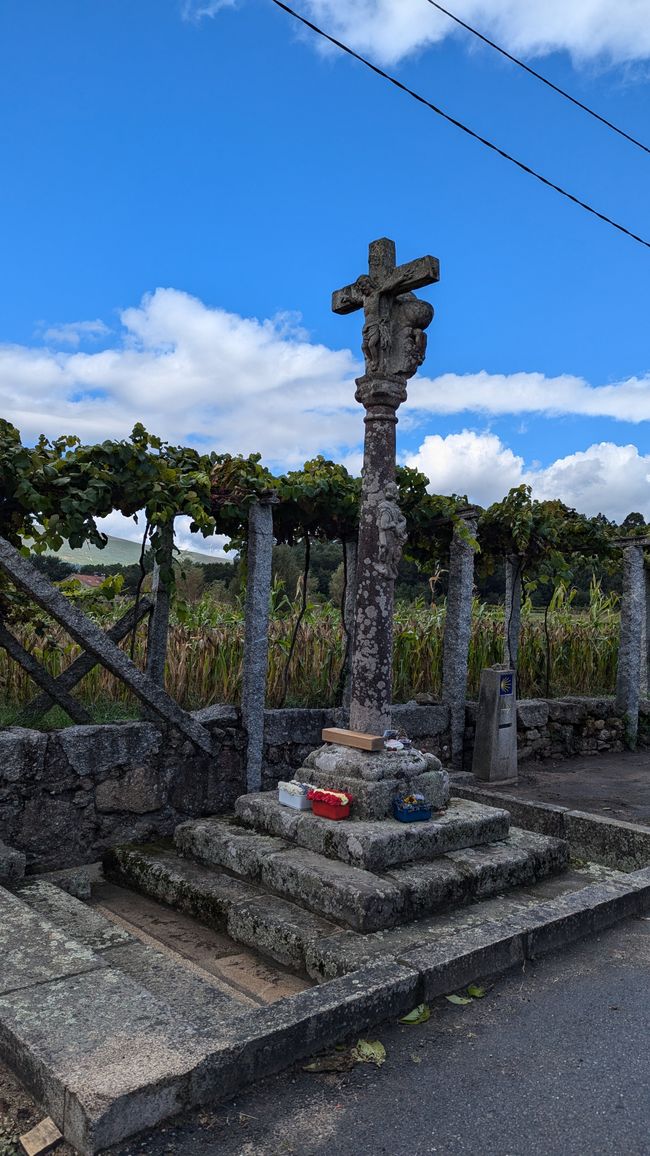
(330, 804)
(327, 811)
(414, 811)
(288, 796)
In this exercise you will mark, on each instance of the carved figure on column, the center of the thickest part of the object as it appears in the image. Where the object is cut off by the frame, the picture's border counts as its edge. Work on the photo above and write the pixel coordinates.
(393, 343)
(392, 532)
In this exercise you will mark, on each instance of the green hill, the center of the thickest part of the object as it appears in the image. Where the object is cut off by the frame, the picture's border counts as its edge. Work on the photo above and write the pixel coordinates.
(121, 552)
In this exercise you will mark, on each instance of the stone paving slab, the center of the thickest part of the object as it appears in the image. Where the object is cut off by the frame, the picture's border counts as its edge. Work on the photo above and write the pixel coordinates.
(269, 1039)
(103, 1056)
(34, 951)
(349, 895)
(278, 928)
(202, 892)
(198, 1003)
(219, 842)
(602, 838)
(376, 845)
(285, 930)
(73, 917)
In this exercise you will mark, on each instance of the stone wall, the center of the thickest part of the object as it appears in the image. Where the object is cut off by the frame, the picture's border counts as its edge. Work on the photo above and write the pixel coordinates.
(563, 727)
(67, 795)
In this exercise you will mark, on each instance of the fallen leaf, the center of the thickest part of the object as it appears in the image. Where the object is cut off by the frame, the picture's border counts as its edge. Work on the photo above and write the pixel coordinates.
(369, 1052)
(476, 992)
(416, 1058)
(458, 999)
(419, 1015)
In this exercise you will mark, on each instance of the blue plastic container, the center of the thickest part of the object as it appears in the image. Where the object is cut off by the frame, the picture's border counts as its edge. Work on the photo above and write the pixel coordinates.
(409, 813)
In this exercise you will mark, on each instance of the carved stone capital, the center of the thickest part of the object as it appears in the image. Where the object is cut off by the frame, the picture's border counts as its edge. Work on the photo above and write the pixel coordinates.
(384, 391)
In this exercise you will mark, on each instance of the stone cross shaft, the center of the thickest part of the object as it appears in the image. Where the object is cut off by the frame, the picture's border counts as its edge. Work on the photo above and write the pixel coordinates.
(394, 346)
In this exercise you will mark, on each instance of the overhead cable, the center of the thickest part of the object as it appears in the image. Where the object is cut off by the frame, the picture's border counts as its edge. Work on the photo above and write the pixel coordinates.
(538, 76)
(458, 124)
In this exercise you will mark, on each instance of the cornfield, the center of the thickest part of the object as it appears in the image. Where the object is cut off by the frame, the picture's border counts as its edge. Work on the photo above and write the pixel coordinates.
(566, 652)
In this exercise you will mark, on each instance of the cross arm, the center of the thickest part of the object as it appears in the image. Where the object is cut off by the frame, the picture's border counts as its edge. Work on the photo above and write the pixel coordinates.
(413, 275)
(347, 300)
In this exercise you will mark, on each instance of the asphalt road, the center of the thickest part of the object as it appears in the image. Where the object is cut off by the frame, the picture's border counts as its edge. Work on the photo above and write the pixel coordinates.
(614, 785)
(554, 1061)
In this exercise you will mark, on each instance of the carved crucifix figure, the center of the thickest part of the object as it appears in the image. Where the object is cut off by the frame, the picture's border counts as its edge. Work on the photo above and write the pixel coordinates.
(393, 345)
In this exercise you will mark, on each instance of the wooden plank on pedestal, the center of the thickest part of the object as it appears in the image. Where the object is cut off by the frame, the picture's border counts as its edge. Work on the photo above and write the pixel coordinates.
(355, 739)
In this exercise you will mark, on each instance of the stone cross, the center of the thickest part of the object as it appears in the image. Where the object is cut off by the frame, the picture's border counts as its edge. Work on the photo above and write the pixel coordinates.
(394, 346)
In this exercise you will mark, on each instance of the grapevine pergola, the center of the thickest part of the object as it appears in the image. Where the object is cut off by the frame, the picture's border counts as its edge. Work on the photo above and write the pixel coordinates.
(57, 490)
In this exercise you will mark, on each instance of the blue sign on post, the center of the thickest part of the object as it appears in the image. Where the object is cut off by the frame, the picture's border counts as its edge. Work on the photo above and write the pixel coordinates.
(505, 684)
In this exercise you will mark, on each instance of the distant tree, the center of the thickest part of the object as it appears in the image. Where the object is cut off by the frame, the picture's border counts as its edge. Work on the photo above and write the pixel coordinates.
(54, 568)
(633, 521)
(190, 581)
(220, 571)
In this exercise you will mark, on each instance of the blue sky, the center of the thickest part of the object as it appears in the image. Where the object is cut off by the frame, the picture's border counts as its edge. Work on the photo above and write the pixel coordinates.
(185, 183)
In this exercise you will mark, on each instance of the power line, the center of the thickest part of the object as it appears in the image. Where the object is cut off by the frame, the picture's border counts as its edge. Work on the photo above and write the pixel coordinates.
(458, 124)
(538, 76)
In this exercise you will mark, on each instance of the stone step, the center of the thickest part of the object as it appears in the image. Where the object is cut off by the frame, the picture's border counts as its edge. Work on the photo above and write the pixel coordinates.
(107, 1057)
(376, 845)
(249, 915)
(360, 899)
(199, 1002)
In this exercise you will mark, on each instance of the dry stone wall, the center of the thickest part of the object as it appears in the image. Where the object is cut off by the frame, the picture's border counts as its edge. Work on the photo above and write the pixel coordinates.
(67, 795)
(562, 728)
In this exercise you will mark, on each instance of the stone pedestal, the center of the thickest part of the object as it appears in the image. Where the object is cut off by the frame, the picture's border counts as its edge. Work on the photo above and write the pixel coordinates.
(495, 744)
(374, 777)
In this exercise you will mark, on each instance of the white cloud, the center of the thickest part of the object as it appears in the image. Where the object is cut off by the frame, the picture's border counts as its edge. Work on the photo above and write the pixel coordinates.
(74, 332)
(605, 478)
(197, 9)
(478, 465)
(203, 376)
(192, 375)
(495, 393)
(587, 29)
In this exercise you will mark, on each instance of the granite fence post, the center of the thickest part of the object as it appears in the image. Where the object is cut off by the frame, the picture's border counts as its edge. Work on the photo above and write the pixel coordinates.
(514, 566)
(159, 619)
(350, 553)
(645, 636)
(458, 624)
(633, 611)
(256, 635)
